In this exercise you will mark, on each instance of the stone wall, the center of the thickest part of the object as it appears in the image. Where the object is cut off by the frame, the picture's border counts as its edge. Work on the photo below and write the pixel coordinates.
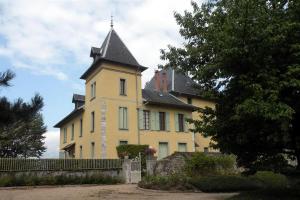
(82, 173)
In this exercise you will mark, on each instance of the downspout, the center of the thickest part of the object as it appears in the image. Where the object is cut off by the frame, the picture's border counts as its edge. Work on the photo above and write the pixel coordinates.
(137, 105)
(173, 79)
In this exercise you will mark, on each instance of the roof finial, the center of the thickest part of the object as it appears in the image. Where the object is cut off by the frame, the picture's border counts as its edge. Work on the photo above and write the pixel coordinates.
(111, 21)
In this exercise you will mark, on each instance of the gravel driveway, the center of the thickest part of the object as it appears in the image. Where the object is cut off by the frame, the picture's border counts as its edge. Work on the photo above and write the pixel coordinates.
(114, 192)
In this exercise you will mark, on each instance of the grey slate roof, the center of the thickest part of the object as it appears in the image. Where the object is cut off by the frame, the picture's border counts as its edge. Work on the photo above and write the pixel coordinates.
(153, 97)
(78, 97)
(112, 50)
(183, 84)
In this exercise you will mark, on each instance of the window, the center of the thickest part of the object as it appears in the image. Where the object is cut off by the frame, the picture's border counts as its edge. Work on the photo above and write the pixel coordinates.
(123, 118)
(163, 150)
(93, 90)
(80, 152)
(72, 132)
(189, 100)
(122, 87)
(65, 135)
(92, 121)
(92, 150)
(206, 150)
(123, 142)
(162, 121)
(80, 131)
(146, 115)
(182, 147)
(181, 122)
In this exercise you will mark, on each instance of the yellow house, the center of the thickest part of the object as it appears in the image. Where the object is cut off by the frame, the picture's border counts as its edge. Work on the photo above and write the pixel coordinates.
(115, 110)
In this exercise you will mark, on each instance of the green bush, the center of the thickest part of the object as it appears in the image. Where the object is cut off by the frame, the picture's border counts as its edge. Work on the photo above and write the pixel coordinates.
(224, 184)
(271, 179)
(174, 182)
(33, 179)
(133, 151)
(277, 163)
(201, 164)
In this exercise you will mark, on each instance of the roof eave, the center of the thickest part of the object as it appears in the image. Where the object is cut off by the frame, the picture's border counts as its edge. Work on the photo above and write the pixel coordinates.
(191, 95)
(69, 117)
(187, 107)
(94, 66)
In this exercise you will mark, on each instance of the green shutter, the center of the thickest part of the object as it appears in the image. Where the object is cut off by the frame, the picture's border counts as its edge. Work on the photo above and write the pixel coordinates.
(125, 118)
(153, 123)
(157, 121)
(176, 122)
(141, 119)
(120, 117)
(167, 121)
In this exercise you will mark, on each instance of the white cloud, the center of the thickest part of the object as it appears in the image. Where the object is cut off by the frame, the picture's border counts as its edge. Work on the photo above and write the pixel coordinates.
(53, 37)
(52, 144)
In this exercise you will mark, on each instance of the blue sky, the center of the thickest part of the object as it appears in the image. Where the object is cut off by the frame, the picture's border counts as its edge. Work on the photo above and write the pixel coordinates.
(47, 44)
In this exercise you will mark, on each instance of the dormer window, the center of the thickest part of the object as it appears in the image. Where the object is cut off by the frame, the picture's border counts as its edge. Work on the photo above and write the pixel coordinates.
(93, 90)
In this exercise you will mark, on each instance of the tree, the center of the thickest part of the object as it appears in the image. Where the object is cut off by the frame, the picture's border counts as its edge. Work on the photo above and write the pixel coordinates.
(21, 125)
(246, 55)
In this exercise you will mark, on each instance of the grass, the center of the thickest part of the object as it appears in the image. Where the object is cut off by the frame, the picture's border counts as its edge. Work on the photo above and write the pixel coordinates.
(34, 180)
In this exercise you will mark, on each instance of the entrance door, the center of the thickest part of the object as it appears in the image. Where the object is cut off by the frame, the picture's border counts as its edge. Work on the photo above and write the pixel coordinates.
(163, 150)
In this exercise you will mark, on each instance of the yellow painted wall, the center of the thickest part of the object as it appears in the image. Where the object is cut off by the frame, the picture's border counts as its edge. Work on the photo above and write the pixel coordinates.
(153, 138)
(107, 78)
(200, 140)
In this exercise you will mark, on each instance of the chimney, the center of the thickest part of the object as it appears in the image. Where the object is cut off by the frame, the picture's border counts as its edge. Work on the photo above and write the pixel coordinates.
(164, 81)
(157, 81)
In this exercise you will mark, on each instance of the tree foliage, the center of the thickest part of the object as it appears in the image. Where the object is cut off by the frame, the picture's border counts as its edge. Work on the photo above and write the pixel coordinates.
(246, 55)
(21, 125)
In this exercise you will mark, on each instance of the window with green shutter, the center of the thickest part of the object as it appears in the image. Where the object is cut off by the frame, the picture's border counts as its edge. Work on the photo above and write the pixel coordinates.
(92, 121)
(65, 135)
(80, 128)
(182, 147)
(146, 119)
(92, 150)
(181, 122)
(80, 152)
(123, 120)
(72, 133)
(162, 121)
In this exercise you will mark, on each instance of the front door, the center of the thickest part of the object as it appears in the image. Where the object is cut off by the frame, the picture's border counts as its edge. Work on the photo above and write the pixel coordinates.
(163, 150)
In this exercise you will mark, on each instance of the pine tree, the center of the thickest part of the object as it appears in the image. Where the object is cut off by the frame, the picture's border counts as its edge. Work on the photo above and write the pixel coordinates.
(21, 125)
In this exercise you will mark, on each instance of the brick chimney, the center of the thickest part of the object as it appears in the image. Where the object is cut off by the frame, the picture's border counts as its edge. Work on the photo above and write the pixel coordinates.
(164, 81)
(157, 81)
(160, 81)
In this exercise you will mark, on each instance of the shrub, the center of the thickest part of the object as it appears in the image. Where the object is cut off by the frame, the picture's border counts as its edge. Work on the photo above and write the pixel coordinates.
(133, 151)
(201, 164)
(33, 179)
(277, 163)
(271, 179)
(174, 182)
(224, 184)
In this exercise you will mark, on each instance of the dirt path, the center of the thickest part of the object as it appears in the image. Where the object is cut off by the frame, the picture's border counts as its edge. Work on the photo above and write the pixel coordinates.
(114, 192)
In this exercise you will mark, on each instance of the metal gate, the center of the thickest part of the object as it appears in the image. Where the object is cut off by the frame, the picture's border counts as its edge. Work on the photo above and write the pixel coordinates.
(132, 170)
